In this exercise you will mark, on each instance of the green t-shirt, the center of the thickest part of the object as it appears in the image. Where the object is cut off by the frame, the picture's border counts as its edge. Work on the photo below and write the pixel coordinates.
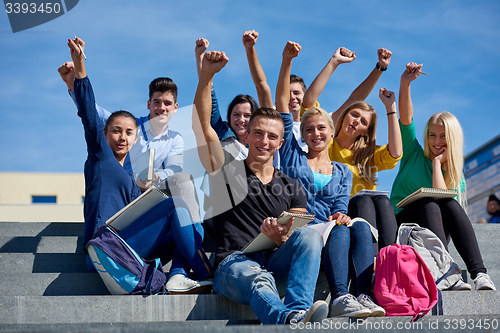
(415, 170)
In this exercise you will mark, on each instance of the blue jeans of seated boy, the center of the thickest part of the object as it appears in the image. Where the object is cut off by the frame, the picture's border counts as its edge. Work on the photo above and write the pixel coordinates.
(349, 252)
(167, 232)
(260, 278)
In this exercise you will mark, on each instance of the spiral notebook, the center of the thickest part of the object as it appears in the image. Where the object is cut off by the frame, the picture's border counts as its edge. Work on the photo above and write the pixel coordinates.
(128, 214)
(425, 192)
(371, 193)
(262, 242)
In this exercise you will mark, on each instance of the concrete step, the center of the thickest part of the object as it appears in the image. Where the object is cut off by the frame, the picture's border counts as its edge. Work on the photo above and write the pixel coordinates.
(48, 283)
(134, 309)
(118, 309)
(43, 244)
(16, 263)
(51, 284)
(84, 283)
(41, 229)
(488, 238)
(52, 262)
(426, 324)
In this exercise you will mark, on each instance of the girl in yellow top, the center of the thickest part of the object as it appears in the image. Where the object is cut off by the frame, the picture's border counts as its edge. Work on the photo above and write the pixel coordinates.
(354, 144)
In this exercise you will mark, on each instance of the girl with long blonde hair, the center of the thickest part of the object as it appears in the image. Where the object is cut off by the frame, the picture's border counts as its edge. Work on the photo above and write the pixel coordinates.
(438, 164)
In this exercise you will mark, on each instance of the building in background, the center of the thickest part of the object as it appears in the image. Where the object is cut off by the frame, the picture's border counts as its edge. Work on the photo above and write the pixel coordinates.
(41, 197)
(482, 175)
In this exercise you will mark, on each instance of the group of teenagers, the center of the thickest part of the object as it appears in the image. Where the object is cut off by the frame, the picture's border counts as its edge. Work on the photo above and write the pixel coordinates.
(270, 157)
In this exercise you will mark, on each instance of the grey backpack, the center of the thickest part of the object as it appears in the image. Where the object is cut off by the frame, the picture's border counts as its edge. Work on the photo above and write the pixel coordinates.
(443, 268)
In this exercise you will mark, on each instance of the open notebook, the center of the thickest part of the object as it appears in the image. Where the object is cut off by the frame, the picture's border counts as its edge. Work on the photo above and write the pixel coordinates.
(325, 228)
(128, 214)
(262, 242)
(425, 192)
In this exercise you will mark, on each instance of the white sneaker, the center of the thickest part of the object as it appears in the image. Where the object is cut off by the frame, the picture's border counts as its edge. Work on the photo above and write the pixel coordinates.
(461, 285)
(180, 284)
(483, 282)
(348, 306)
(315, 314)
(367, 302)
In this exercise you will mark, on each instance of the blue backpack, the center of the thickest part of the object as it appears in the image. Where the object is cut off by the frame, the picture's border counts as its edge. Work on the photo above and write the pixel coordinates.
(121, 268)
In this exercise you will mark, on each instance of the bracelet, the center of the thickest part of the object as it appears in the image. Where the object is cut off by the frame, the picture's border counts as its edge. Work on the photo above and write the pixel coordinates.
(393, 112)
(382, 69)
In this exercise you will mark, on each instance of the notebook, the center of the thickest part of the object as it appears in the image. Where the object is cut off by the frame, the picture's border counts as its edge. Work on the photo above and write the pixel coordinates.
(145, 165)
(371, 193)
(262, 242)
(425, 192)
(325, 228)
(128, 214)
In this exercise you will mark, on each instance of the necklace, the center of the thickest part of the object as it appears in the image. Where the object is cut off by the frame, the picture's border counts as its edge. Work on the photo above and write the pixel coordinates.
(320, 171)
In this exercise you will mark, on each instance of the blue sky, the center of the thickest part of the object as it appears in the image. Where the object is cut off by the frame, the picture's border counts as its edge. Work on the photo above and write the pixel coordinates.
(131, 42)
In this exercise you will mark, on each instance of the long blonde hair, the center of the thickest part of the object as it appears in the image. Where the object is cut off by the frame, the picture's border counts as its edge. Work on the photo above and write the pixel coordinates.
(364, 147)
(455, 148)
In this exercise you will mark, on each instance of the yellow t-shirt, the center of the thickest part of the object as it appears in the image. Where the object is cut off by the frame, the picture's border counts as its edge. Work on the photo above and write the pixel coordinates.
(382, 160)
(303, 109)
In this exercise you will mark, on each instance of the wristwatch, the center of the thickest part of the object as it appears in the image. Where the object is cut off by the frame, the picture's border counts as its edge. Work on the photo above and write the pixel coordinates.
(382, 69)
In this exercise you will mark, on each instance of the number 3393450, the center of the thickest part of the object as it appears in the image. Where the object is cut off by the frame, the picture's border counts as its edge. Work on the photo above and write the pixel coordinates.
(32, 8)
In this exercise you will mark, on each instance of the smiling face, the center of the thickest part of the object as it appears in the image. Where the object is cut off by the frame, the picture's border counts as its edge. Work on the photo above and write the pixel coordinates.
(356, 123)
(317, 132)
(264, 136)
(121, 135)
(296, 97)
(240, 116)
(436, 140)
(162, 106)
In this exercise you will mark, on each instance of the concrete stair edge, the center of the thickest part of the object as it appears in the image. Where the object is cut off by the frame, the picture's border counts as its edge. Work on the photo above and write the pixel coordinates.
(117, 309)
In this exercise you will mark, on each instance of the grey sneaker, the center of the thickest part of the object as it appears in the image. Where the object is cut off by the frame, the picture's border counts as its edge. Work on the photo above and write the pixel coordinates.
(483, 282)
(348, 306)
(315, 314)
(375, 309)
(180, 284)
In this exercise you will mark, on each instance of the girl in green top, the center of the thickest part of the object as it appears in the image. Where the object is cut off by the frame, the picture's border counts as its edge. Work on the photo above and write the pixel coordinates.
(438, 165)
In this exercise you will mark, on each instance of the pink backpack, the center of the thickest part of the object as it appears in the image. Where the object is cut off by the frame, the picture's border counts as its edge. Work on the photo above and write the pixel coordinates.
(404, 285)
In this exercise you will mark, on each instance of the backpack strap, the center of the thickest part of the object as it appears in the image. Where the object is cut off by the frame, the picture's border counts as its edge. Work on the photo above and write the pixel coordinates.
(445, 274)
(437, 310)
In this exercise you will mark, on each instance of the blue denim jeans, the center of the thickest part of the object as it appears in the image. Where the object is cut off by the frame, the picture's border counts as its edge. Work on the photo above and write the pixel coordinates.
(167, 232)
(349, 251)
(260, 278)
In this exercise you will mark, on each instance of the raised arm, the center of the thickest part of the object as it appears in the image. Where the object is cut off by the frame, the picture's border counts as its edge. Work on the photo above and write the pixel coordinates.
(366, 87)
(67, 73)
(209, 147)
(342, 55)
(290, 51)
(395, 142)
(411, 72)
(258, 75)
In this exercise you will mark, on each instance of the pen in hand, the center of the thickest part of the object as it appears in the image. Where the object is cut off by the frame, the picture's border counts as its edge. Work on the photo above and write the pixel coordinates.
(81, 50)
